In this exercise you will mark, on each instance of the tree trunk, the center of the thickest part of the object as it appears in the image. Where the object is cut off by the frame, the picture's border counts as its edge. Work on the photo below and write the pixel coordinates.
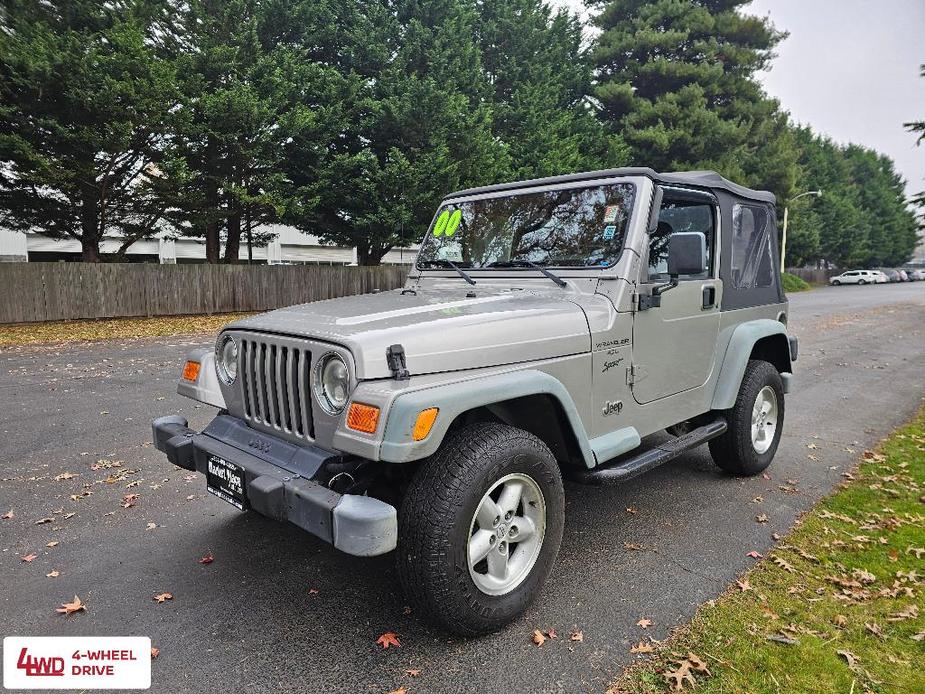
(89, 249)
(89, 226)
(212, 245)
(368, 254)
(233, 242)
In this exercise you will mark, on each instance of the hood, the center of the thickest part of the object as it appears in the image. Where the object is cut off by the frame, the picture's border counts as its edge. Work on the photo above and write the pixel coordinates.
(441, 329)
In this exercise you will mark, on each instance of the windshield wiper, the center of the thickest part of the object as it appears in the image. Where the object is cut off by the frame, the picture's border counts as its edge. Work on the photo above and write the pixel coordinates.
(441, 262)
(529, 263)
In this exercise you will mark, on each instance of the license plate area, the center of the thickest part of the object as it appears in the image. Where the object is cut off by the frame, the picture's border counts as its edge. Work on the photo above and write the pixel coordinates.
(226, 480)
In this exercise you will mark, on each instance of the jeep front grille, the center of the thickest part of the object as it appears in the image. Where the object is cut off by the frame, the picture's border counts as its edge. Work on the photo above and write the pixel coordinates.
(275, 383)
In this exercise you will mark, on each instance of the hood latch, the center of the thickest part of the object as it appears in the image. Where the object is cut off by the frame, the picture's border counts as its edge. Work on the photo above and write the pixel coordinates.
(395, 357)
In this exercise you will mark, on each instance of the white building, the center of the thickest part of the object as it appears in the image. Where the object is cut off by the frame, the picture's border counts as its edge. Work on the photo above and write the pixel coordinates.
(290, 246)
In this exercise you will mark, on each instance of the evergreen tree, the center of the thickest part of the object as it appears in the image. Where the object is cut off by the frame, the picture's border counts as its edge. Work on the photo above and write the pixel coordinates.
(83, 98)
(223, 171)
(417, 125)
(541, 81)
(676, 80)
(862, 218)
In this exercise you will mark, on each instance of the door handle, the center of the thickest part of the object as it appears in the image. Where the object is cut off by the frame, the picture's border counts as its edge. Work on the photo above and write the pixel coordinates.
(709, 297)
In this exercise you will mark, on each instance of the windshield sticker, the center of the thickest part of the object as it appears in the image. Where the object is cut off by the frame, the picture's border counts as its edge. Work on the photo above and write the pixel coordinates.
(452, 225)
(440, 226)
(609, 232)
(611, 212)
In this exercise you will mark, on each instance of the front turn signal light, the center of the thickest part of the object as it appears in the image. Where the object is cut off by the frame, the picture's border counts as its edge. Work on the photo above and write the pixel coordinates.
(362, 417)
(424, 423)
(191, 371)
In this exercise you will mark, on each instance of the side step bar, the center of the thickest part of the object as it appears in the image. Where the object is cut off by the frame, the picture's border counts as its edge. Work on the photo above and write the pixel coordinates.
(668, 450)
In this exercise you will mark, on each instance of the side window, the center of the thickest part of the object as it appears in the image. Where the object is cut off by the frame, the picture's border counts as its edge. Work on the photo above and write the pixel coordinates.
(679, 215)
(752, 264)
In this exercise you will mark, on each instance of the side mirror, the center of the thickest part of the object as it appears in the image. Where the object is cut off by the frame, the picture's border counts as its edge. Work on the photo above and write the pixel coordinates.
(687, 253)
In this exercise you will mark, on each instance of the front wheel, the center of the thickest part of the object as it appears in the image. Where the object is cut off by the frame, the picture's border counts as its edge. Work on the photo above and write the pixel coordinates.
(755, 422)
(836, 283)
(480, 528)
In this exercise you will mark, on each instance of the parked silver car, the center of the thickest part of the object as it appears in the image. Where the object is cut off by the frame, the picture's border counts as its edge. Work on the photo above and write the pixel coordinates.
(546, 328)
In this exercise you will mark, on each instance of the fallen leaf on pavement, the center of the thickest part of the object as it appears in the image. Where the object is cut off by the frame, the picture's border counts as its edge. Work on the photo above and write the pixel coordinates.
(155, 652)
(313, 591)
(191, 497)
(761, 518)
(389, 638)
(208, 559)
(72, 607)
(29, 557)
(635, 546)
(53, 574)
(129, 500)
(163, 597)
(765, 476)
(632, 509)
(65, 476)
(576, 636)
(644, 623)
(150, 526)
(9, 515)
(539, 638)
(400, 690)
(53, 543)
(42, 521)
(753, 554)
(413, 672)
(642, 647)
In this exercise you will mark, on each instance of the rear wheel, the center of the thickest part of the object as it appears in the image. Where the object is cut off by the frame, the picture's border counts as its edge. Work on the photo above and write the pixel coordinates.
(480, 528)
(862, 281)
(755, 423)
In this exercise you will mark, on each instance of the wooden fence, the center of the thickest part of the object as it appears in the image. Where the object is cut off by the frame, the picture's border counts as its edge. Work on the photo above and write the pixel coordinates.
(62, 291)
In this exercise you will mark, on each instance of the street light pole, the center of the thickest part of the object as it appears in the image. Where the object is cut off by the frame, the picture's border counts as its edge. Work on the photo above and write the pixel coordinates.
(783, 240)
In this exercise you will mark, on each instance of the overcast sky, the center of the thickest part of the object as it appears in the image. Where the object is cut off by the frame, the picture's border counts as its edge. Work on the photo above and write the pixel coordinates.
(850, 69)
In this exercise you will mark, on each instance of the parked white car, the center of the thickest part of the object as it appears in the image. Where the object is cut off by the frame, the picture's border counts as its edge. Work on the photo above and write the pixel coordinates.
(858, 277)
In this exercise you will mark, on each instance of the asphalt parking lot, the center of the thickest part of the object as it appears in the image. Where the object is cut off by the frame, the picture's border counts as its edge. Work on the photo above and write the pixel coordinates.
(278, 610)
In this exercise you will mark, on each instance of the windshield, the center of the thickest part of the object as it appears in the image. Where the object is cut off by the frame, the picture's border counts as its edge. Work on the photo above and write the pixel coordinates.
(575, 227)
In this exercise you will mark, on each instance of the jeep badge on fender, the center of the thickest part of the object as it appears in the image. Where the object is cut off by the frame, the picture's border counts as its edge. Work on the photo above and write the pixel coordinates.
(439, 419)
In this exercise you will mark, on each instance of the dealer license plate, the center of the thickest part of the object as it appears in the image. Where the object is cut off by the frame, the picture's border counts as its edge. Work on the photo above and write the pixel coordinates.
(226, 481)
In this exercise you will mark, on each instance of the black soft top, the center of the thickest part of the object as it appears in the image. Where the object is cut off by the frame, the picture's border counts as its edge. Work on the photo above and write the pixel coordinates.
(699, 179)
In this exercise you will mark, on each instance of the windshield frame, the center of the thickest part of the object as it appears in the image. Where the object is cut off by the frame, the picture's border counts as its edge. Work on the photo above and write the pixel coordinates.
(562, 270)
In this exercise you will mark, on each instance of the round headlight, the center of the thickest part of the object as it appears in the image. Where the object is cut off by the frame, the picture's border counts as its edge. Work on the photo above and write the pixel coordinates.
(226, 359)
(332, 383)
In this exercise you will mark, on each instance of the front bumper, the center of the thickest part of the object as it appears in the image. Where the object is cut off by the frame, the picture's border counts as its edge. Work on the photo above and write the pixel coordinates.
(278, 476)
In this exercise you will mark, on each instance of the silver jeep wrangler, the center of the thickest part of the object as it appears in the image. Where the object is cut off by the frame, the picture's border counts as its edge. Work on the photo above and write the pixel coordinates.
(546, 329)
